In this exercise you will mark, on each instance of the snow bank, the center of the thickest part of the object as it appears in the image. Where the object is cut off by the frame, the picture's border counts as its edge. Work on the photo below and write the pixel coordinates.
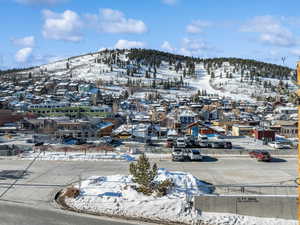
(76, 156)
(233, 219)
(114, 195)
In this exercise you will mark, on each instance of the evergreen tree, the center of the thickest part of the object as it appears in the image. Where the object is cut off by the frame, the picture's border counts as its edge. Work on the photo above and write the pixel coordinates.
(143, 174)
(184, 73)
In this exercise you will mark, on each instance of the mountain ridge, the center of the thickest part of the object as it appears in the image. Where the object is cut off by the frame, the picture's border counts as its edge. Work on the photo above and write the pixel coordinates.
(245, 60)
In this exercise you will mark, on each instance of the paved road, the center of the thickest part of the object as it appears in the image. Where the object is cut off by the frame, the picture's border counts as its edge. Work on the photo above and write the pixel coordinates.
(60, 173)
(14, 214)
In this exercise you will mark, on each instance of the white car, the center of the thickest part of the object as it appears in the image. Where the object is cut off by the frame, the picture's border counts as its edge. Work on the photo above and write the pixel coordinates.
(180, 143)
(278, 145)
(179, 154)
(202, 138)
(194, 155)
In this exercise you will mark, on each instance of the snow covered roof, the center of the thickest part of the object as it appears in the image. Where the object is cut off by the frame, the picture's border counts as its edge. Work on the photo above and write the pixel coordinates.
(187, 113)
(172, 132)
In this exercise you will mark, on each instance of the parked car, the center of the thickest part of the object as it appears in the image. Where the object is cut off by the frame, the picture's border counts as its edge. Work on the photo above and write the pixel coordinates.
(202, 138)
(216, 144)
(180, 142)
(260, 155)
(194, 155)
(202, 141)
(278, 145)
(203, 144)
(190, 141)
(178, 154)
(220, 144)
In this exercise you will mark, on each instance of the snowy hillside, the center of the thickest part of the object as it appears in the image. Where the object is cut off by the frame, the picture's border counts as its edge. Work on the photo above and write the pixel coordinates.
(176, 77)
(227, 80)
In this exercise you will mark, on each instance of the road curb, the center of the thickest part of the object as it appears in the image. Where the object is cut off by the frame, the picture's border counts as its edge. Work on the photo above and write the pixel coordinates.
(60, 200)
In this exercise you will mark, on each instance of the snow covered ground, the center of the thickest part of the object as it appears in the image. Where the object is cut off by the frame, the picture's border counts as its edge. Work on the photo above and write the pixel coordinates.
(75, 156)
(114, 195)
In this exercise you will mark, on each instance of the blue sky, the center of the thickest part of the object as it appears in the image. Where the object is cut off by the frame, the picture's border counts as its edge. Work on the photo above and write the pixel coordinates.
(38, 31)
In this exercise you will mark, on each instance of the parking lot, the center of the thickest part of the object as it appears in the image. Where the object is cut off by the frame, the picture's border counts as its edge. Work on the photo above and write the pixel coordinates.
(32, 187)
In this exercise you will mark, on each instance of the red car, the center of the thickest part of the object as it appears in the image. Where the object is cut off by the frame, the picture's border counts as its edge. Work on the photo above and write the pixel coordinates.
(260, 155)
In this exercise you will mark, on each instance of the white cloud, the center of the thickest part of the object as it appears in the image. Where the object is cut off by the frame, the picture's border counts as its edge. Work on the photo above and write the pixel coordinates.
(195, 44)
(114, 21)
(197, 26)
(194, 47)
(191, 47)
(167, 46)
(280, 39)
(65, 26)
(170, 2)
(274, 52)
(125, 44)
(38, 2)
(271, 31)
(24, 42)
(23, 55)
(295, 52)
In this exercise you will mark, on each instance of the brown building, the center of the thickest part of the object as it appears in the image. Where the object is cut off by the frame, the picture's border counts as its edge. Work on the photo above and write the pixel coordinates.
(286, 128)
(9, 116)
(266, 135)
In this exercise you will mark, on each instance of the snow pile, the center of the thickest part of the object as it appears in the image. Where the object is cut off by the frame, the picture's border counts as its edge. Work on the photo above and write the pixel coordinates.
(75, 156)
(233, 219)
(115, 195)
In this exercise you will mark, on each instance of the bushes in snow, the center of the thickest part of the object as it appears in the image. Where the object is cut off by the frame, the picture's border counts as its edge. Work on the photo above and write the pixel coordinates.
(71, 192)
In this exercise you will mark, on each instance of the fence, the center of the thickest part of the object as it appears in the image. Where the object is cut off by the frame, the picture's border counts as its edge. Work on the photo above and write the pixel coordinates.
(256, 189)
(284, 207)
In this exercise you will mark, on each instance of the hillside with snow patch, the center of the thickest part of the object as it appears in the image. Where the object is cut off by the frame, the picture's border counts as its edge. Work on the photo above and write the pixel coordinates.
(120, 68)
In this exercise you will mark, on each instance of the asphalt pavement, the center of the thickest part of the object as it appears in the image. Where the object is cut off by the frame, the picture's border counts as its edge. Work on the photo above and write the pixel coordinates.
(16, 214)
(31, 200)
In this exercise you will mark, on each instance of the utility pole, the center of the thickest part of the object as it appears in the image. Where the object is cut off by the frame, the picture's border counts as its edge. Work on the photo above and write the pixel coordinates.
(298, 83)
(79, 181)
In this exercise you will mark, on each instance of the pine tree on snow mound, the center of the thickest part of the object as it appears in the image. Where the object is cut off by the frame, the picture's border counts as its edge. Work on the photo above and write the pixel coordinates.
(144, 176)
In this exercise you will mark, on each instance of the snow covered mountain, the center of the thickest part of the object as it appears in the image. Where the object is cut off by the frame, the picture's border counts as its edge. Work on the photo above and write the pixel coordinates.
(173, 75)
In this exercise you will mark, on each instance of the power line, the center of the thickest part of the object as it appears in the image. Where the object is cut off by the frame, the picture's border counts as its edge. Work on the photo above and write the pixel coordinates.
(34, 185)
(22, 174)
